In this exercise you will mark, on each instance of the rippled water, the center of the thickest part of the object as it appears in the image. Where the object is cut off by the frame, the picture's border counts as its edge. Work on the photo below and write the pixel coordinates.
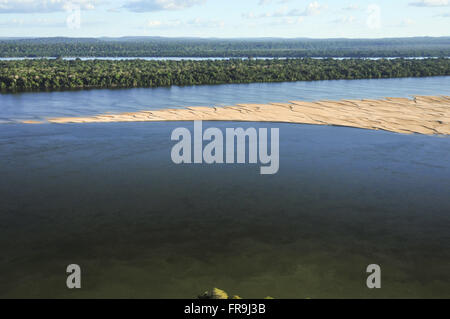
(109, 198)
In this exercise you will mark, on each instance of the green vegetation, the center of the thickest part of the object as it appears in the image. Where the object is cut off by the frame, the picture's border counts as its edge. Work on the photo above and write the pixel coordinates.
(44, 74)
(195, 47)
(219, 294)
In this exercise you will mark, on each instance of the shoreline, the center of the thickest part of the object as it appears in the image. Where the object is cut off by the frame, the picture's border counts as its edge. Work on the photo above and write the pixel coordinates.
(429, 115)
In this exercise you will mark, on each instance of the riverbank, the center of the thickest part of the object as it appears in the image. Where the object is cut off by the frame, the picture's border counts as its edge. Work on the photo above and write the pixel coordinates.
(428, 115)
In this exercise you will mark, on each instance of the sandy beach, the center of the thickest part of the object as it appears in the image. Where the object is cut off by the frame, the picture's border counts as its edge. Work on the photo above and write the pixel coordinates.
(428, 115)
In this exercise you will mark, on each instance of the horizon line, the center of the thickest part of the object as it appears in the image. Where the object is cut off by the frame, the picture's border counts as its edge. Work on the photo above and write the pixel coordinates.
(213, 38)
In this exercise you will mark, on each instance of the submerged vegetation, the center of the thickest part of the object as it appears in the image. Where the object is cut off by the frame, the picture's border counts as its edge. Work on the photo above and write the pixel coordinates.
(56, 74)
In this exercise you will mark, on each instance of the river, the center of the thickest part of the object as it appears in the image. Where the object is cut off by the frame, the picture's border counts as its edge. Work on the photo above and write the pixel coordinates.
(39, 106)
(108, 198)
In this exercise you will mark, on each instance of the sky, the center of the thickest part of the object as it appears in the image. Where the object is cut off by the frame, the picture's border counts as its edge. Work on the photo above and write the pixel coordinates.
(225, 18)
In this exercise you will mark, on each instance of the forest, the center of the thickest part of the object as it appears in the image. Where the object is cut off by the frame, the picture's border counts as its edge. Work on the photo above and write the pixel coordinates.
(59, 74)
(198, 47)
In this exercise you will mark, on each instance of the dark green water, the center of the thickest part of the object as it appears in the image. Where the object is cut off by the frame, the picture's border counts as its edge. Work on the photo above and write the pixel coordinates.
(108, 197)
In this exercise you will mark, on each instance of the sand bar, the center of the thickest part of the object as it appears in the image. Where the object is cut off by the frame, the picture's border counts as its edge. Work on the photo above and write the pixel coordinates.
(428, 115)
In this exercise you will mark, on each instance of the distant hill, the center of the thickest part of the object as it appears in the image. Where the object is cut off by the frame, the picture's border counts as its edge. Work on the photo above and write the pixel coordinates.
(214, 47)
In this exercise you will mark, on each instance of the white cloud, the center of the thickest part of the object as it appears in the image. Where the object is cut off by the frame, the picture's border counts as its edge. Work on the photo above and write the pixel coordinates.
(374, 18)
(264, 2)
(352, 7)
(154, 23)
(345, 20)
(33, 6)
(431, 3)
(199, 23)
(208, 23)
(313, 8)
(32, 23)
(158, 24)
(159, 5)
(290, 20)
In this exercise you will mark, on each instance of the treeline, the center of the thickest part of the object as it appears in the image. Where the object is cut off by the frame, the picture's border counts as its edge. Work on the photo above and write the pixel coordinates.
(193, 47)
(56, 74)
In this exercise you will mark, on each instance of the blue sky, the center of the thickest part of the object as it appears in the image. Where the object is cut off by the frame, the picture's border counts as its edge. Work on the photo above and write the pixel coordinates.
(225, 18)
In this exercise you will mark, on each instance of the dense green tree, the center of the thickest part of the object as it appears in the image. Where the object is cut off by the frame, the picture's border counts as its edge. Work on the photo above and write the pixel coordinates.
(54, 74)
(192, 47)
